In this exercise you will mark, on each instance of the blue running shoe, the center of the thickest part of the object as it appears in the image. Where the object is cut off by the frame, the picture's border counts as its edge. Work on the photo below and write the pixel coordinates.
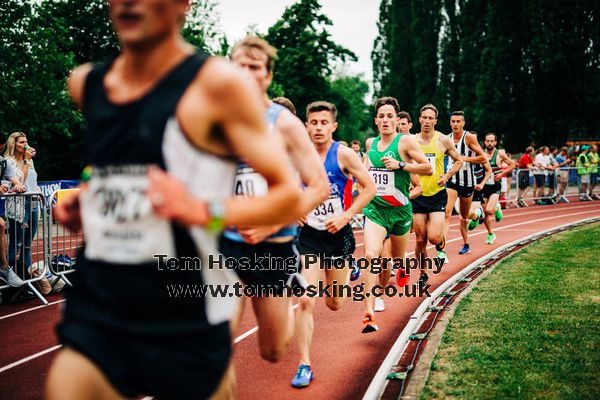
(355, 274)
(303, 376)
(465, 250)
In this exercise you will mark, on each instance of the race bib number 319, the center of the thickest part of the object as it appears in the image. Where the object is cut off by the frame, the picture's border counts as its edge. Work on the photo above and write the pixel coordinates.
(384, 181)
(119, 223)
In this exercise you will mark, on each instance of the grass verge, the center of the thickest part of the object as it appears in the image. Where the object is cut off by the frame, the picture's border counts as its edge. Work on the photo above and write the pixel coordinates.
(530, 330)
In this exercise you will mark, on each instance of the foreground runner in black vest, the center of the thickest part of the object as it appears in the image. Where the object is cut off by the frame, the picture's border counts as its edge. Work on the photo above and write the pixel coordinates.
(136, 321)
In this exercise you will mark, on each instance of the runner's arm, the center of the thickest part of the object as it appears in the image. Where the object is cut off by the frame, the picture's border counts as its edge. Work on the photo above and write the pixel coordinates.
(458, 162)
(351, 163)
(419, 164)
(233, 103)
(511, 163)
(305, 159)
(417, 189)
(473, 144)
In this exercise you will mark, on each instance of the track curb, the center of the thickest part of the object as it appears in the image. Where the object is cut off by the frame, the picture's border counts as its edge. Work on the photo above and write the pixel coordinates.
(379, 381)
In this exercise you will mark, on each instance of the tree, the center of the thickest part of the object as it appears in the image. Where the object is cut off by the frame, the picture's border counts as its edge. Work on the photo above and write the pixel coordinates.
(354, 119)
(40, 42)
(306, 53)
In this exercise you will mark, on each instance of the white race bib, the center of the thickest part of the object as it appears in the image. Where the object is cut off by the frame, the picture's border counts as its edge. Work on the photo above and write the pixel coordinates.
(491, 180)
(431, 158)
(249, 183)
(119, 223)
(384, 181)
(332, 207)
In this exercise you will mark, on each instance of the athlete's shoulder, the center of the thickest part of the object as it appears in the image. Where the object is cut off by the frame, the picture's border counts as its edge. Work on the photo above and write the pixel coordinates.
(222, 78)
(346, 153)
(76, 82)
(444, 139)
(369, 143)
(288, 123)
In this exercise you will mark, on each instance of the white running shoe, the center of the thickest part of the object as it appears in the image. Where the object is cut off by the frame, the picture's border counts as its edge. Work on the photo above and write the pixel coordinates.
(379, 305)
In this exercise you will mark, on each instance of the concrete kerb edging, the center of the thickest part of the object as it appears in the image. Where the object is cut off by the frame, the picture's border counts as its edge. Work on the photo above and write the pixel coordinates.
(379, 381)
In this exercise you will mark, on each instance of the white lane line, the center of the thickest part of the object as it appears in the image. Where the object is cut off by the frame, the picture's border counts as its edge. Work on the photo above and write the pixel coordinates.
(24, 360)
(31, 309)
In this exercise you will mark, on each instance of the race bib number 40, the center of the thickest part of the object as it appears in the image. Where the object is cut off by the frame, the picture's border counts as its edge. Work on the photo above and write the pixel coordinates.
(119, 223)
(384, 181)
(249, 183)
(331, 207)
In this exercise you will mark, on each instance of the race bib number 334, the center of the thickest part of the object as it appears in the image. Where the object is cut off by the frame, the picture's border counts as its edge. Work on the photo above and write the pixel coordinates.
(119, 223)
(331, 207)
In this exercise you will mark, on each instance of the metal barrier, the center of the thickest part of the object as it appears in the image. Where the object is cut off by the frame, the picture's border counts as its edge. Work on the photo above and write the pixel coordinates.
(24, 245)
(64, 244)
(562, 184)
(41, 258)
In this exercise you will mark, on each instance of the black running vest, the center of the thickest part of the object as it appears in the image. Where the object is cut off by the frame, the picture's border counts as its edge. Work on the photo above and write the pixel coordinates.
(120, 271)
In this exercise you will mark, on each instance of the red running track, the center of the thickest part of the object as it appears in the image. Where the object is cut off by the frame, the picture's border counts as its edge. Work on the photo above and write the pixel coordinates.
(344, 360)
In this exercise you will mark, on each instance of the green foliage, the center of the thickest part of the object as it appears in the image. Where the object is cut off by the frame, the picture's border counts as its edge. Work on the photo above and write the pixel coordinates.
(202, 28)
(306, 53)
(40, 42)
(527, 70)
(354, 118)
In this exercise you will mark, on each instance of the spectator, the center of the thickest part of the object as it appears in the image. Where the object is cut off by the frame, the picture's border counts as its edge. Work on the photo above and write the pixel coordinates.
(355, 144)
(22, 211)
(563, 162)
(541, 163)
(583, 171)
(506, 182)
(6, 272)
(525, 164)
(593, 157)
(552, 166)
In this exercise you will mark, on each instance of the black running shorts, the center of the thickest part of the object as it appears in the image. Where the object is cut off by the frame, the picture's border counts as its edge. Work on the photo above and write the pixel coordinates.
(430, 204)
(489, 190)
(173, 364)
(463, 191)
(325, 244)
(265, 263)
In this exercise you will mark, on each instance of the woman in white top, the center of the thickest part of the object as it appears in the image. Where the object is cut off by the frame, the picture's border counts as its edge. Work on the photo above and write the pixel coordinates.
(21, 211)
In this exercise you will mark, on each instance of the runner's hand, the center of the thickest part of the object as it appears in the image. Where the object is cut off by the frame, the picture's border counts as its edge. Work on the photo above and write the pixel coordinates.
(442, 181)
(334, 224)
(68, 213)
(258, 234)
(3, 189)
(498, 177)
(302, 220)
(479, 186)
(171, 199)
(391, 163)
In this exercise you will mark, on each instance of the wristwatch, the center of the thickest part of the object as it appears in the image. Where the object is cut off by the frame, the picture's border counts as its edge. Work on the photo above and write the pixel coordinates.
(216, 216)
(402, 165)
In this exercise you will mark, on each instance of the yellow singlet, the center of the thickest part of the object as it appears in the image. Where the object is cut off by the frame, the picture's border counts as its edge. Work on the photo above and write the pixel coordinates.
(435, 156)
